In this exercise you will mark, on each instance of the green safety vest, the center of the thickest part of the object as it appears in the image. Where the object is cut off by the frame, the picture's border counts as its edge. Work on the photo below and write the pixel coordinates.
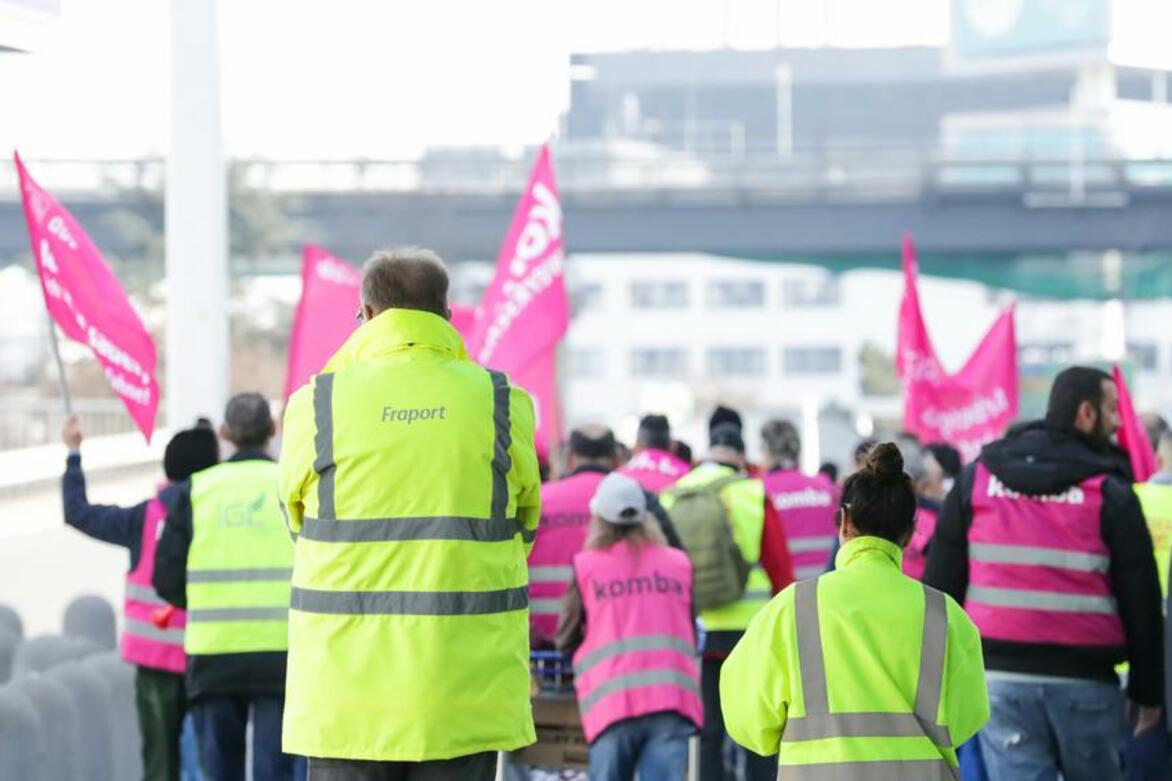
(239, 563)
(410, 476)
(745, 500)
(862, 674)
(1156, 500)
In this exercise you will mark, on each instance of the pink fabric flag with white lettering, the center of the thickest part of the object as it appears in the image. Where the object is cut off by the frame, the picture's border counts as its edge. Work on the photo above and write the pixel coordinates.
(966, 409)
(325, 317)
(524, 313)
(1132, 436)
(86, 301)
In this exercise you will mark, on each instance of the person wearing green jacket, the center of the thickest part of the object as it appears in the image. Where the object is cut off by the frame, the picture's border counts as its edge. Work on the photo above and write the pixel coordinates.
(862, 673)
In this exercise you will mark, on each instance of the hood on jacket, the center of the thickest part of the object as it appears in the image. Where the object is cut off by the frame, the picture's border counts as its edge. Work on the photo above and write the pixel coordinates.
(1041, 459)
(394, 330)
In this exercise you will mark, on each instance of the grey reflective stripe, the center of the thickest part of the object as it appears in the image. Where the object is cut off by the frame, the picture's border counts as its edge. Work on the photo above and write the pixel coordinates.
(819, 723)
(323, 443)
(888, 770)
(802, 573)
(1041, 557)
(545, 607)
(145, 594)
(502, 441)
(415, 603)
(237, 614)
(1041, 600)
(148, 631)
(238, 575)
(810, 661)
(933, 648)
(637, 681)
(528, 535)
(632, 644)
(402, 529)
(550, 574)
(758, 594)
(854, 725)
(811, 544)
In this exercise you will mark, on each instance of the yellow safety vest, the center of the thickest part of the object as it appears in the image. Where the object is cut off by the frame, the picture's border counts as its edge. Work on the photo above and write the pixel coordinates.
(1156, 500)
(861, 674)
(410, 476)
(239, 563)
(745, 500)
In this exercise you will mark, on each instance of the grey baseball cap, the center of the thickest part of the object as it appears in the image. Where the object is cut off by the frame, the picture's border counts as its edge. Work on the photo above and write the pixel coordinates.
(619, 500)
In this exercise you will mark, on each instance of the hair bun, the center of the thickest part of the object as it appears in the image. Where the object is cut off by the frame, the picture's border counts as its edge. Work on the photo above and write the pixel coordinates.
(884, 461)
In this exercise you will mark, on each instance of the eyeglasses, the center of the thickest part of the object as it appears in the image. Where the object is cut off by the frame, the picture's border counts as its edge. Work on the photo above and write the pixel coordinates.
(360, 317)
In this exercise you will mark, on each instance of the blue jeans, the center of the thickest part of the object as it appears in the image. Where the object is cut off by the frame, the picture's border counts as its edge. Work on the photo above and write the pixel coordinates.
(1146, 758)
(656, 745)
(221, 721)
(1038, 730)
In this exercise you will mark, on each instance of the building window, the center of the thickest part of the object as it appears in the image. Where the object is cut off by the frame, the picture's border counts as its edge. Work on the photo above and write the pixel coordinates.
(659, 362)
(586, 297)
(647, 294)
(736, 362)
(1144, 355)
(812, 360)
(736, 293)
(1046, 352)
(586, 362)
(810, 291)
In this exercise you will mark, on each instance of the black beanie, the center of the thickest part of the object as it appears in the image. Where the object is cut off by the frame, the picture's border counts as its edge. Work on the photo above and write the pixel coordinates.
(190, 451)
(727, 435)
(725, 416)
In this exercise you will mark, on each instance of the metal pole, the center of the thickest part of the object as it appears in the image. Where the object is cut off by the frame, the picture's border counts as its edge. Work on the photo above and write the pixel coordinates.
(60, 366)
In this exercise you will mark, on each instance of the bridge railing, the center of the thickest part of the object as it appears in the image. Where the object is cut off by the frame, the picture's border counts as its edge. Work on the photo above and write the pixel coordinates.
(846, 171)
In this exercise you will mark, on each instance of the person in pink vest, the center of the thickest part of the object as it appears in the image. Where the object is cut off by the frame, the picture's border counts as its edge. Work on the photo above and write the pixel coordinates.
(653, 465)
(806, 505)
(1043, 541)
(152, 635)
(928, 482)
(629, 623)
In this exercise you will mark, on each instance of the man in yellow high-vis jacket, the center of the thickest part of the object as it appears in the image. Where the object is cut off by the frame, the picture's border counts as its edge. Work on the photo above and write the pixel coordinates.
(226, 556)
(410, 477)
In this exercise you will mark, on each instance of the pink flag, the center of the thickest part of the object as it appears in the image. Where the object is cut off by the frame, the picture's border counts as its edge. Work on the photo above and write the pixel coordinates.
(1132, 436)
(524, 313)
(325, 315)
(966, 409)
(86, 301)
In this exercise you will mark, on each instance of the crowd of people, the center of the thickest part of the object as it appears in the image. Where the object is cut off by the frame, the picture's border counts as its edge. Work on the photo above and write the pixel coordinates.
(369, 603)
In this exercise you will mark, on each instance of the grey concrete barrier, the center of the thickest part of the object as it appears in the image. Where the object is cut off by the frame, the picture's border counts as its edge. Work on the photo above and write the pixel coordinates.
(23, 743)
(126, 736)
(92, 618)
(9, 640)
(11, 619)
(95, 703)
(60, 723)
(44, 652)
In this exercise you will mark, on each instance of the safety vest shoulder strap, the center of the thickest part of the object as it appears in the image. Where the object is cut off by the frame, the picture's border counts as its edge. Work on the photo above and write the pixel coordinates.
(819, 723)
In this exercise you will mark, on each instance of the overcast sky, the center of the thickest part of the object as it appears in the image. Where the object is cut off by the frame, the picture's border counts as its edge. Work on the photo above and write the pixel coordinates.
(350, 78)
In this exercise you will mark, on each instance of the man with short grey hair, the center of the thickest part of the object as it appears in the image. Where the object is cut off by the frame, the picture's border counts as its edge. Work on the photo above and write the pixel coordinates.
(409, 474)
(226, 556)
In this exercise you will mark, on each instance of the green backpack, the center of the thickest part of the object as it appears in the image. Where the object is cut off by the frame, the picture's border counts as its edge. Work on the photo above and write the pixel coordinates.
(701, 518)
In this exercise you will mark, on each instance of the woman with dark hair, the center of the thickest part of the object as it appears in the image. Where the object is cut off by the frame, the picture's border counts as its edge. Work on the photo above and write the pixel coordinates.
(629, 624)
(862, 673)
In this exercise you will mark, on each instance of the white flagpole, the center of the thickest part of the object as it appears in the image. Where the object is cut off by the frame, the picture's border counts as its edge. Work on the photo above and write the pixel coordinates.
(60, 366)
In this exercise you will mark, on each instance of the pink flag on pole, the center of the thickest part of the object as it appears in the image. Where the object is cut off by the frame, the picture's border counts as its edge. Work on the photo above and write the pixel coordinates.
(524, 313)
(86, 301)
(1132, 436)
(966, 409)
(325, 316)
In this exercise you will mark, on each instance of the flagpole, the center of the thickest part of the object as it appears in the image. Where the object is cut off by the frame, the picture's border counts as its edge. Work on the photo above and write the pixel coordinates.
(60, 366)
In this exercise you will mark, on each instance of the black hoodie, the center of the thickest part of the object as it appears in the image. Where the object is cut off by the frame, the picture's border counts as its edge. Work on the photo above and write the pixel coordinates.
(1041, 459)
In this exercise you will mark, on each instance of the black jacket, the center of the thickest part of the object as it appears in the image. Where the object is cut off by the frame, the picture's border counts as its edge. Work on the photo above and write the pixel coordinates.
(245, 673)
(1040, 459)
(106, 522)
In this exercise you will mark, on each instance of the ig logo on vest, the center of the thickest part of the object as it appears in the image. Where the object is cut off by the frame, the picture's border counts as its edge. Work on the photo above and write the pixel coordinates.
(620, 587)
(240, 514)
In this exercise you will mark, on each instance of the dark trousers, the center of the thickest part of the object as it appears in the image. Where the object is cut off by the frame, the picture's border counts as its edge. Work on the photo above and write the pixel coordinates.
(221, 721)
(161, 699)
(474, 767)
(712, 736)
